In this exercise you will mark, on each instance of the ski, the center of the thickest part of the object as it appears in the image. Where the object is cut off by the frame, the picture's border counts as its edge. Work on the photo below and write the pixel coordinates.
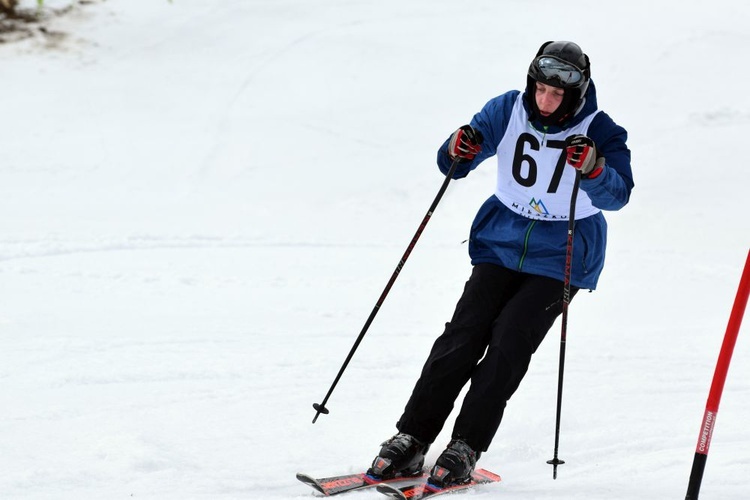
(335, 485)
(425, 489)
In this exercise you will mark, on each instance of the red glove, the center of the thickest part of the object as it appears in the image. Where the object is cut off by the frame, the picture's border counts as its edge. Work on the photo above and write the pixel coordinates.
(465, 143)
(582, 154)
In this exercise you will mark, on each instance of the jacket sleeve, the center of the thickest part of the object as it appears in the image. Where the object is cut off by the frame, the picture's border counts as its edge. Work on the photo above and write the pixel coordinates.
(491, 122)
(611, 189)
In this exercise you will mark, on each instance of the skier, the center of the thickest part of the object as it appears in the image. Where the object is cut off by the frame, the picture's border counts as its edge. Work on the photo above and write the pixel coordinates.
(517, 245)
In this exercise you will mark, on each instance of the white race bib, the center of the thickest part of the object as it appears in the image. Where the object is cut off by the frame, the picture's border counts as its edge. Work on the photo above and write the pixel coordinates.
(533, 178)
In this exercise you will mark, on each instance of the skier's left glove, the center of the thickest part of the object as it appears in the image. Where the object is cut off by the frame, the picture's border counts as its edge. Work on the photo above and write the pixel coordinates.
(581, 154)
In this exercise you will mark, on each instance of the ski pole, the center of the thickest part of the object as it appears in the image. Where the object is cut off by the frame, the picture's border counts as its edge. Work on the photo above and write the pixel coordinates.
(717, 385)
(563, 334)
(321, 407)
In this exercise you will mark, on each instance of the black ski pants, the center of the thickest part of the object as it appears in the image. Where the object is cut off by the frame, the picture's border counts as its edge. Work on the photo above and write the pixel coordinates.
(499, 322)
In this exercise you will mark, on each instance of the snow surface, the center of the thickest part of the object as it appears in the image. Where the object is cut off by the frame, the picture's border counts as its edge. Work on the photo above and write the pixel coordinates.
(202, 202)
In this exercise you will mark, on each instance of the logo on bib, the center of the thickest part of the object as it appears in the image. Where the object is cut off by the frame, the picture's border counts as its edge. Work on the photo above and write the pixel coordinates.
(538, 206)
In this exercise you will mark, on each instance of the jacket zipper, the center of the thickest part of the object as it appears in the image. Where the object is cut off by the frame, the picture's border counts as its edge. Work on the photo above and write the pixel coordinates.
(526, 244)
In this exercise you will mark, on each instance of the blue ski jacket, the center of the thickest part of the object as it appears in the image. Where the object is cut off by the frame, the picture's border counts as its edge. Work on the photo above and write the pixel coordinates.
(503, 237)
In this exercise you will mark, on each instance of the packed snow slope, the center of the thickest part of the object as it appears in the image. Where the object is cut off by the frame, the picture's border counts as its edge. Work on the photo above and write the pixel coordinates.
(202, 202)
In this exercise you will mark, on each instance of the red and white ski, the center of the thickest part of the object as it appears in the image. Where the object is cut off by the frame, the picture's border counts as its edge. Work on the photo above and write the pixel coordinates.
(335, 485)
(425, 489)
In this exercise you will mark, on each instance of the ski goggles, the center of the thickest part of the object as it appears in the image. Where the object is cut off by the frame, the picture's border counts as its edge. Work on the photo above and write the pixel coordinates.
(555, 69)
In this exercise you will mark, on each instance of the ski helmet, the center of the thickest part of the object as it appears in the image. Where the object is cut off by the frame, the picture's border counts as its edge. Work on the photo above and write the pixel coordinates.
(562, 65)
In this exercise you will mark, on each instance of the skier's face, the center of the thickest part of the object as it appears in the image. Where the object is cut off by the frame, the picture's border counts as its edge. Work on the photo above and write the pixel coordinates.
(548, 98)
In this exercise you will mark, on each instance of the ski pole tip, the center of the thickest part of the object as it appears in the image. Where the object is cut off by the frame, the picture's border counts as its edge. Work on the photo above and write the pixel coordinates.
(554, 463)
(320, 409)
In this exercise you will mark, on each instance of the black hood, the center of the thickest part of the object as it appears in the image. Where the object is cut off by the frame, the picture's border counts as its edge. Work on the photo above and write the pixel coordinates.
(563, 117)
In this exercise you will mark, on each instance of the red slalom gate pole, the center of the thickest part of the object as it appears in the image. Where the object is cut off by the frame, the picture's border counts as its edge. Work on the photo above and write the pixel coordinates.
(717, 386)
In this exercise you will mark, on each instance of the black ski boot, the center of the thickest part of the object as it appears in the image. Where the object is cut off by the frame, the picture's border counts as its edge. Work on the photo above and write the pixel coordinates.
(455, 464)
(401, 455)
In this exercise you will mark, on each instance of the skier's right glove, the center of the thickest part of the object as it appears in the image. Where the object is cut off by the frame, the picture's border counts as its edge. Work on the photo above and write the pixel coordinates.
(465, 143)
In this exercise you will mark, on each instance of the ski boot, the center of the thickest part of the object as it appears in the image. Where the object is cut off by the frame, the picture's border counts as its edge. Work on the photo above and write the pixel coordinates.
(402, 454)
(455, 464)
